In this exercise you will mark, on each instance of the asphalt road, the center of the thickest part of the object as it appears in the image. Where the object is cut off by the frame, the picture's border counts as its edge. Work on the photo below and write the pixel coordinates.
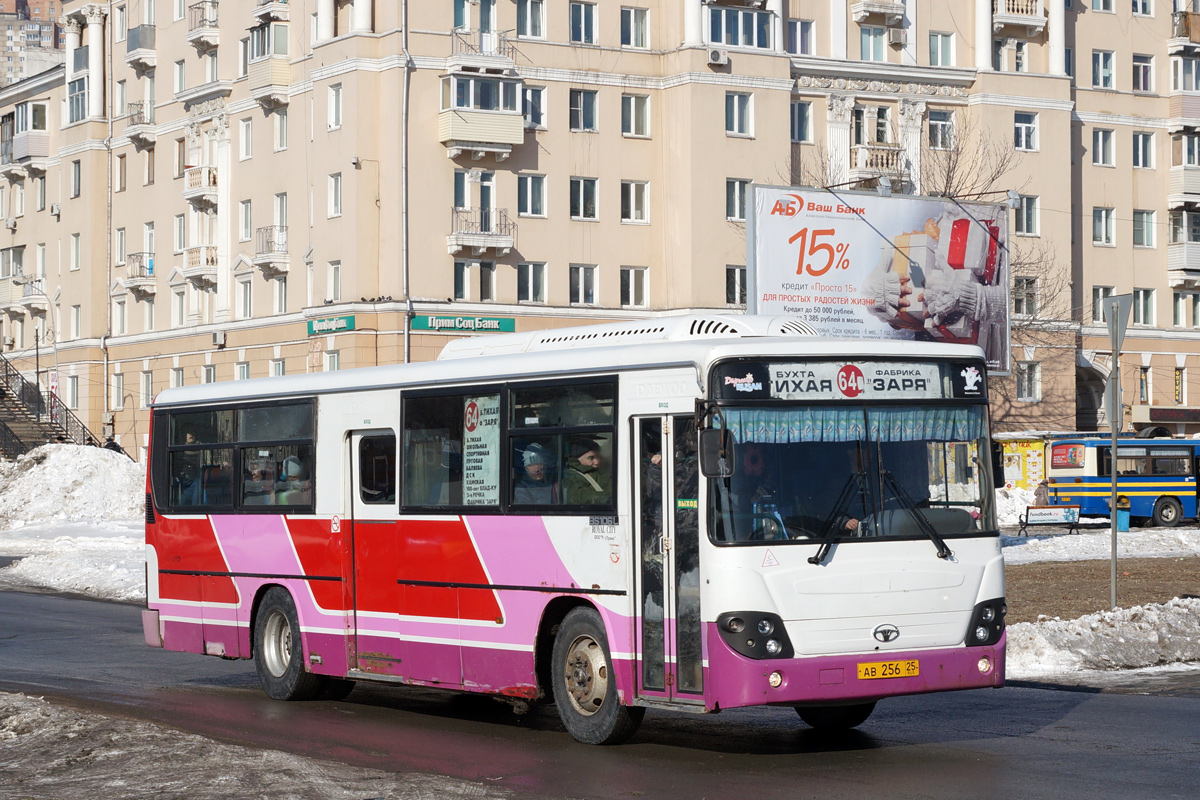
(1020, 741)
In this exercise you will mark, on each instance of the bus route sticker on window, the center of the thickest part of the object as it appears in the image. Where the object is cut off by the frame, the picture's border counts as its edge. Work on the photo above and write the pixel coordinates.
(481, 450)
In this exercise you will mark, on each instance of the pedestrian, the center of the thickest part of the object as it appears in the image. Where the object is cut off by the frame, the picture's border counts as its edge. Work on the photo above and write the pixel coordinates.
(111, 444)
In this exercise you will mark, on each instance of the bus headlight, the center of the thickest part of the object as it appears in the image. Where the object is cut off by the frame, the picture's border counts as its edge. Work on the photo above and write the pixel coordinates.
(768, 637)
(987, 623)
(989, 613)
(981, 634)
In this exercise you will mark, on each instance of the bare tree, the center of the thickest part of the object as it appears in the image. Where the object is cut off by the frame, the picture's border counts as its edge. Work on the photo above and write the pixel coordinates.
(971, 162)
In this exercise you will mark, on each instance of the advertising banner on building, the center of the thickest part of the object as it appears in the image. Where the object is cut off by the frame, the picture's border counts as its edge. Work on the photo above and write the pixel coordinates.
(861, 266)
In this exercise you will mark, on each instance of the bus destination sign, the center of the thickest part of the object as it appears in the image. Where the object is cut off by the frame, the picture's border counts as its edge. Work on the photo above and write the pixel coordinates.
(854, 381)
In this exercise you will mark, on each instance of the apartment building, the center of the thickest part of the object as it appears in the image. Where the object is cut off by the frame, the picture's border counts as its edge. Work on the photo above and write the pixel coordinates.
(227, 189)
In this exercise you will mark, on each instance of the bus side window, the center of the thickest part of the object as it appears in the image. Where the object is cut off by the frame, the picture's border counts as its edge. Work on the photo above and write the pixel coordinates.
(377, 469)
(452, 450)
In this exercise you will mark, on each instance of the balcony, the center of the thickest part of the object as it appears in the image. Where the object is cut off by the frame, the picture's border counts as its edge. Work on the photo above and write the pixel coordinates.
(1030, 14)
(270, 79)
(140, 127)
(484, 52)
(203, 33)
(200, 185)
(480, 132)
(1183, 110)
(276, 10)
(204, 92)
(139, 277)
(271, 250)
(1183, 265)
(140, 48)
(1184, 186)
(869, 161)
(892, 12)
(33, 295)
(1185, 33)
(200, 265)
(481, 229)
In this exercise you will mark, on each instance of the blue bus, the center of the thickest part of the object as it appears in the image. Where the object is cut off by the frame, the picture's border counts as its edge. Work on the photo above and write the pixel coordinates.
(1156, 476)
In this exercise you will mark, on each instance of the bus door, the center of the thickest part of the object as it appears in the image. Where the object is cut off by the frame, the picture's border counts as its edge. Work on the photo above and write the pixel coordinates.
(370, 570)
(667, 514)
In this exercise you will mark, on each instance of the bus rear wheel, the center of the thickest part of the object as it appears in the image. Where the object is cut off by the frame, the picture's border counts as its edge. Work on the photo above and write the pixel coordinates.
(832, 719)
(1167, 512)
(585, 688)
(279, 650)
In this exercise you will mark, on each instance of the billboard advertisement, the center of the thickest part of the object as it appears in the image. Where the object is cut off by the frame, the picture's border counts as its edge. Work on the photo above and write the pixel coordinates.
(861, 266)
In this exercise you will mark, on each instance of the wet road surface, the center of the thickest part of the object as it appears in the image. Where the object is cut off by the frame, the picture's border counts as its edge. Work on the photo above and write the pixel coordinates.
(1031, 741)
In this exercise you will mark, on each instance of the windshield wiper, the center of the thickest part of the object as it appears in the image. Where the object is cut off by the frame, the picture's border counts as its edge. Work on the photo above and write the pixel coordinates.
(855, 481)
(922, 521)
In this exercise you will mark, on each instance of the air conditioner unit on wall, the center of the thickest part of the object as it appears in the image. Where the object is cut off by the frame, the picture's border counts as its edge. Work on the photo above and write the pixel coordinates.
(897, 36)
(8, 341)
(717, 58)
(55, 209)
(10, 223)
(218, 338)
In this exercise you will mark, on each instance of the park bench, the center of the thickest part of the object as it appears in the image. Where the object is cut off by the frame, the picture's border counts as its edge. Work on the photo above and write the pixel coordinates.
(1049, 515)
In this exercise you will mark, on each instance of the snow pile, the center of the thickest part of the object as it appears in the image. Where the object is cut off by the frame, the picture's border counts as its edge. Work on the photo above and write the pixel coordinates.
(66, 482)
(104, 560)
(1127, 638)
(1011, 503)
(1161, 543)
(49, 751)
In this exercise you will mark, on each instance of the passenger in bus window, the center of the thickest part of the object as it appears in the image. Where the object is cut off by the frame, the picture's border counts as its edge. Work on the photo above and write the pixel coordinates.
(293, 487)
(587, 481)
(188, 464)
(259, 484)
(536, 486)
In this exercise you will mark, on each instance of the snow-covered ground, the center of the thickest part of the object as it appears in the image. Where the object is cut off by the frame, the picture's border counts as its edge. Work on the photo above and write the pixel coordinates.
(73, 516)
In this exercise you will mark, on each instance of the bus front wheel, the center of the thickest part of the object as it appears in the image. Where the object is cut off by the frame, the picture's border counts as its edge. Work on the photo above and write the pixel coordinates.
(279, 650)
(835, 718)
(585, 688)
(1167, 512)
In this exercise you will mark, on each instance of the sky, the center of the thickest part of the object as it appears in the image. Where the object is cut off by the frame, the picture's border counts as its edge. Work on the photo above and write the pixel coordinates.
(73, 517)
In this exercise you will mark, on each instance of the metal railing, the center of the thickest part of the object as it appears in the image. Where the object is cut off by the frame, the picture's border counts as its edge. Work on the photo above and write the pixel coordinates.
(202, 15)
(13, 384)
(271, 240)
(484, 221)
(1186, 25)
(11, 445)
(479, 43)
(140, 265)
(140, 38)
(33, 287)
(140, 112)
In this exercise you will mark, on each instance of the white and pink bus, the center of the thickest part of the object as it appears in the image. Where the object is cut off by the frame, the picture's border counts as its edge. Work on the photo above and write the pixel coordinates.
(692, 513)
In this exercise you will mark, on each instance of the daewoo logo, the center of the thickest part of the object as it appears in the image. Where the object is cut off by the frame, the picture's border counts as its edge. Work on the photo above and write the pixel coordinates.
(887, 633)
(789, 206)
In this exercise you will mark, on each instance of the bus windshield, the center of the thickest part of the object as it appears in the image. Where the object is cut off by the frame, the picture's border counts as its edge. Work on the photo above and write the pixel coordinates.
(834, 472)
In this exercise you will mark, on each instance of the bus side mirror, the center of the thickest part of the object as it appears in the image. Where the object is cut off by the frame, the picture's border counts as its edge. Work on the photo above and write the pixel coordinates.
(997, 465)
(716, 453)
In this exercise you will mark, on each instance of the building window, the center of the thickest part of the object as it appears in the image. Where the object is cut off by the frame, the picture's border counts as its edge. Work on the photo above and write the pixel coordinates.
(740, 27)
(1024, 130)
(335, 194)
(1020, 57)
(245, 227)
(241, 371)
(1069, 62)
(1025, 296)
(76, 321)
(460, 280)
(278, 368)
(147, 389)
(1143, 73)
(279, 116)
(635, 115)
(1099, 295)
(180, 157)
(531, 283)
(117, 401)
(77, 100)
(634, 198)
(583, 110)
(633, 287)
(334, 281)
(735, 199)
(180, 76)
(583, 198)
(941, 129)
(180, 233)
(634, 30)
(941, 49)
(735, 286)
(148, 172)
(800, 37)
(1143, 306)
(335, 107)
(1102, 5)
(871, 42)
(281, 295)
(739, 114)
(1180, 386)
(1142, 8)
(531, 19)
(120, 320)
(802, 121)
(1102, 147)
(1178, 309)
(245, 300)
(1144, 385)
(119, 102)
(1102, 226)
(333, 360)
(1143, 228)
(487, 282)
(76, 178)
(178, 308)
(1143, 150)
(583, 23)
(39, 193)
(1029, 381)
(176, 377)
(534, 106)
(531, 195)
(583, 285)
(1026, 221)
(75, 252)
(73, 391)
(1102, 69)
(209, 374)
(245, 130)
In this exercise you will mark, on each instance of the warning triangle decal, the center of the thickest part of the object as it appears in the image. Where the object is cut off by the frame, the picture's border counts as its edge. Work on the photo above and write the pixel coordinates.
(769, 560)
